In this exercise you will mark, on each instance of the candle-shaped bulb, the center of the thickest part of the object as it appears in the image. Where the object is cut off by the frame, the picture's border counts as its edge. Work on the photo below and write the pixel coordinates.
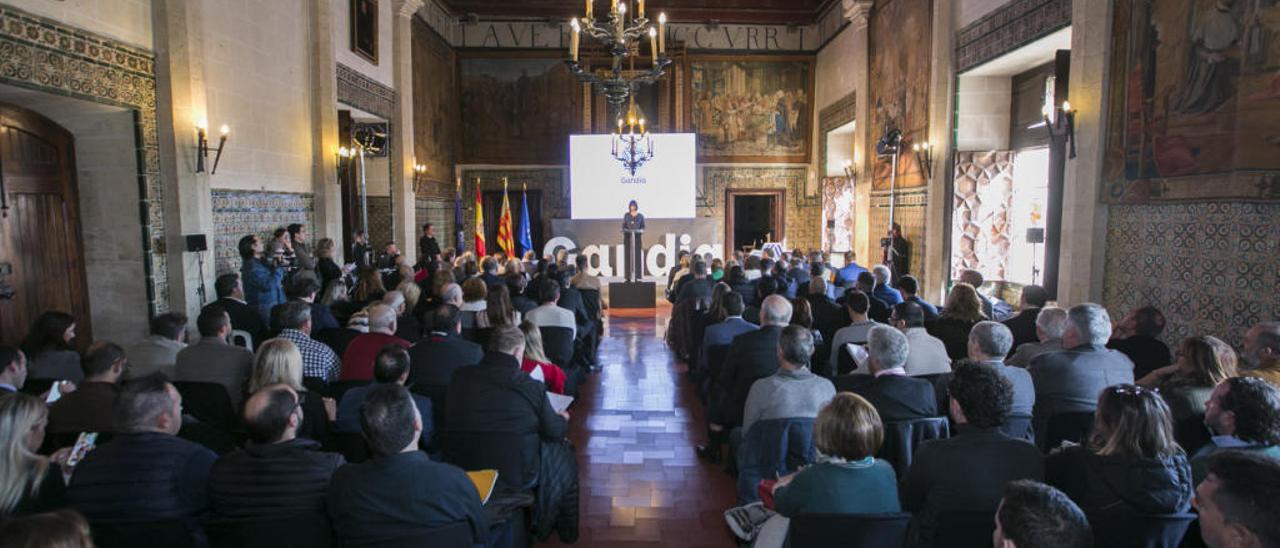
(662, 32)
(224, 130)
(1066, 106)
(574, 39)
(640, 9)
(653, 44)
(589, 3)
(1046, 111)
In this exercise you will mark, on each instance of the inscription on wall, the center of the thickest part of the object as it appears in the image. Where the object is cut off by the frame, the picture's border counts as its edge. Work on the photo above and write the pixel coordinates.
(725, 37)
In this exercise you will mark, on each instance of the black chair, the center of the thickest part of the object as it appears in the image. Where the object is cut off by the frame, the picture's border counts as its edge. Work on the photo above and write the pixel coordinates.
(170, 534)
(963, 529)
(351, 445)
(36, 387)
(1062, 427)
(310, 530)
(1191, 433)
(208, 402)
(849, 530)
(941, 393)
(557, 344)
(484, 450)
(457, 533)
(1019, 426)
(707, 375)
(216, 439)
(316, 384)
(481, 336)
(1139, 530)
(901, 438)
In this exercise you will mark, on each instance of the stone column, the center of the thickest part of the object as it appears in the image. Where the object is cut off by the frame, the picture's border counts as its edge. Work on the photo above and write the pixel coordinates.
(864, 242)
(402, 159)
(941, 102)
(325, 190)
(181, 105)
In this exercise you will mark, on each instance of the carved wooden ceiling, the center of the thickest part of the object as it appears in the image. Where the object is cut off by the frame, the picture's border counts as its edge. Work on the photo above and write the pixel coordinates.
(724, 11)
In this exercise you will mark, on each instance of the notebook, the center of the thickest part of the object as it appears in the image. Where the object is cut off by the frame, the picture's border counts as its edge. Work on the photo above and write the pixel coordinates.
(484, 481)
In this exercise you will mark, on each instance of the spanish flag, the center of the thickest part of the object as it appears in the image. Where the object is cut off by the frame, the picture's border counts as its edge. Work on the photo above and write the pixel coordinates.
(505, 239)
(480, 252)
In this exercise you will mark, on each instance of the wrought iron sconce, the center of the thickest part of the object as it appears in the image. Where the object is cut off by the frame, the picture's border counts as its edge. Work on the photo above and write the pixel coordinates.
(924, 153)
(849, 172)
(344, 156)
(1061, 122)
(419, 174)
(202, 147)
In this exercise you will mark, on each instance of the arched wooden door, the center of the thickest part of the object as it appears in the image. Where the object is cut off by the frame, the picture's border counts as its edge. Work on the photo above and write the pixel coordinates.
(41, 251)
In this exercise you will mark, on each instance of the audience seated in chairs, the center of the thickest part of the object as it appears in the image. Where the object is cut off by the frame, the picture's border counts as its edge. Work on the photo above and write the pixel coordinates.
(407, 326)
(1260, 356)
(882, 291)
(856, 305)
(698, 287)
(1244, 415)
(400, 492)
(521, 301)
(296, 325)
(91, 406)
(878, 310)
(535, 362)
(390, 367)
(1136, 337)
(1051, 323)
(48, 348)
(910, 287)
(1024, 323)
(1070, 381)
(277, 475)
(145, 473)
(548, 313)
(928, 353)
(989, 343)
(280, 362)
(304, 289)
(213, 359)
(895, 396)
(159, 351)
(475, 301)
(1202, 363)
(722, 333)
(230, 291)
(434, 359)
(1238, 501)
(31, 483)
(975, 280)
(847, 479)
(963, 311)
(966, 474)
(1035, 515)
(499, 310)
(793, 391)
(357, 361)
(1131, 463)
(62, 529)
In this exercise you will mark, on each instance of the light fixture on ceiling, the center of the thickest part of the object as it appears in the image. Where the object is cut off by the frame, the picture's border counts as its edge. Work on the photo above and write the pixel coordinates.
(620, 32)
(629, 147)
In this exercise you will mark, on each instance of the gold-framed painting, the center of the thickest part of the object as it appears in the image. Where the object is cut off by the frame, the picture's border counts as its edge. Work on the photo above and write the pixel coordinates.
(751, 109)
(364, 29)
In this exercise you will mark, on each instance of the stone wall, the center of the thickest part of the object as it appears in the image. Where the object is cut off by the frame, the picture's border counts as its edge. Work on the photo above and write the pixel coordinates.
(237, 213)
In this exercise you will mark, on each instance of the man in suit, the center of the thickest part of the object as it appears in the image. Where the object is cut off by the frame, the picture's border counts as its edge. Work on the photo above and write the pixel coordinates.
(910, 287)
(828, 317)
(895, 396)
(975, 279)
(989, 343)
(390, 367)
(847, 276)
(1023, 324)
(877, 309)
(1260, 355)
(245, 318)
(699, 287)
(723, 333)
(882, 291)
(400, 490)
(213, 359)
(13, 369)
(967, 473)
(159, 351)
(434, 359)
(518, 285)
(928, 353)
(489, 266)
(1051, 323)
(1070, 381)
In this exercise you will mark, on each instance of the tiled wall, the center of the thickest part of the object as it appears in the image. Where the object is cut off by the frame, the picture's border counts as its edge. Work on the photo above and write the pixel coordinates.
(804, 207)
(237, 213)
(380, 229)
(1212, 268)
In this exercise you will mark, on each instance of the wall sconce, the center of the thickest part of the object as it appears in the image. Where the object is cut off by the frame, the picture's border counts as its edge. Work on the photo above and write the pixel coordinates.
(924, 153)
(202, 147)
(848, 170)
(344, 156)
(419, 174)
(1061, 122)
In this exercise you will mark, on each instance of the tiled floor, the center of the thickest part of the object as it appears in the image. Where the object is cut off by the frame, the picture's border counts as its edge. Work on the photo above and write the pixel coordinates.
(635, 425)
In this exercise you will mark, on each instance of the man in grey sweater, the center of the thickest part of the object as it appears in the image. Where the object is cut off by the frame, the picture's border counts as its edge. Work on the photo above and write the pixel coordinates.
(793, 392)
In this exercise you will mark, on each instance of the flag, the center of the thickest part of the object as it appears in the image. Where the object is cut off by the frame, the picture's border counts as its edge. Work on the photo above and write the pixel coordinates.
(480, 252)
(504, 225)
(459, 229)
(524, 236)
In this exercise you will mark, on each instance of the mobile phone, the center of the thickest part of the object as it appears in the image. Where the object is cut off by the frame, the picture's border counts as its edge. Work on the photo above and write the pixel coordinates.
(84, 443)
(55, 392)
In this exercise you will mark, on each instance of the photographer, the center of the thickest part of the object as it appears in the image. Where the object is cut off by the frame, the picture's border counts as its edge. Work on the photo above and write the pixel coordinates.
(262, 278)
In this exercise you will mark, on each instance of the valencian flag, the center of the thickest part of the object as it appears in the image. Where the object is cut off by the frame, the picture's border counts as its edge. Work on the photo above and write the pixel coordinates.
(504, 224)
(480, 252)
(524, 237)
(459, 229)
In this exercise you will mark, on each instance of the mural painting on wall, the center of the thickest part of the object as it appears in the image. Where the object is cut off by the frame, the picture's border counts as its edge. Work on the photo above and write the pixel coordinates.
(517, 110)
(435, 109)
(837, 214)
(1195, 101)
(751, 110)
(900, 49)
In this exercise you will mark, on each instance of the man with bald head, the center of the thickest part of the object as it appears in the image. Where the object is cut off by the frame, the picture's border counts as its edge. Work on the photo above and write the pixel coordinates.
(752, 356)
(357, 361)
(277, 474)
(1261, 354)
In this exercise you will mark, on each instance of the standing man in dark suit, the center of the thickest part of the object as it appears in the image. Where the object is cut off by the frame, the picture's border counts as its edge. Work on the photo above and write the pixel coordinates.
(752, 356)
(401, 490)
(1023, 324)
(1069, 381)
(428, 247)
(895, 396)
(435, 358)
(245, 318)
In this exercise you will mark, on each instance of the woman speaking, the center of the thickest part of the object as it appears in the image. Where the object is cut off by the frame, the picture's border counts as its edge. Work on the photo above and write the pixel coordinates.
(632, 229)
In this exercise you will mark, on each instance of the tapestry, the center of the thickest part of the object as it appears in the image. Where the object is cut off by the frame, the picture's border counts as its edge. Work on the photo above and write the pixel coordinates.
(900, 46)
(517, 110)
(752, 110)
(1194, 101)
(435, 110)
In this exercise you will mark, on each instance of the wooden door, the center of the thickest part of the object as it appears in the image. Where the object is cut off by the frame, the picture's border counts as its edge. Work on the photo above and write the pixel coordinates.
(40, 246)
(775, 217)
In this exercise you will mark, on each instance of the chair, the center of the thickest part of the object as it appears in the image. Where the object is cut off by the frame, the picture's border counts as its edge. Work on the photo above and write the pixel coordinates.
(209, 402)
(457, 533)
(338, 388)
(940, 390)
(310, 530)
(316, 384)
(772, 448)
(1019, 426)
(963, 529)
(242, 339)
(170, 533)
(557, 344)
(901, 438)
(351, 445)
(485, 450)
(216, 439)
(1139, 530)
(480, 336)
(849, 530)
(1066, 427)
(36, 387)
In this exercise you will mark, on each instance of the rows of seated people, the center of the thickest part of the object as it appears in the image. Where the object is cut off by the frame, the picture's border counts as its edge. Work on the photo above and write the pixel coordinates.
(878, 404)
(271, 429)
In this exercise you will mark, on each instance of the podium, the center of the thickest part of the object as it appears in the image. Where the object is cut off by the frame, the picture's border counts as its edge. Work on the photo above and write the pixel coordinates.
(639, 294)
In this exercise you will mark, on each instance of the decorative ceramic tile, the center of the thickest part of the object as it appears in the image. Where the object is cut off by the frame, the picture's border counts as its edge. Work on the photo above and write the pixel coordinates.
(804, 205)
(360, 91)
(237, 213)
(980, 224)
(1009, 28)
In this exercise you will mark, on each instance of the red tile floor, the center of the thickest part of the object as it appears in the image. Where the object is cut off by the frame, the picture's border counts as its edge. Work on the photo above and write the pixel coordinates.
(635, 425)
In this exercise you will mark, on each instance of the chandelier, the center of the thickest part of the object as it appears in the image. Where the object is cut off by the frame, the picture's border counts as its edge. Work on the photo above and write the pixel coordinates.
(631, 148)
(620, 32)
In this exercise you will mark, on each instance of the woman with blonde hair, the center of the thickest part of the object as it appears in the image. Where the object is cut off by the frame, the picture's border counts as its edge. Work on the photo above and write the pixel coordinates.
(326, 264)
(535, 361)
(369, 286)
(412, 294)
(280, 362)
(963, 311)
(28, 481)
(1200, 364)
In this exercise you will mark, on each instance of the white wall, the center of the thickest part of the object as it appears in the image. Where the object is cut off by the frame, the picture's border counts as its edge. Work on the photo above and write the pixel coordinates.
(257, 81)
(382, 71)
(971, 10)
(983, 105)
(125, 20)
